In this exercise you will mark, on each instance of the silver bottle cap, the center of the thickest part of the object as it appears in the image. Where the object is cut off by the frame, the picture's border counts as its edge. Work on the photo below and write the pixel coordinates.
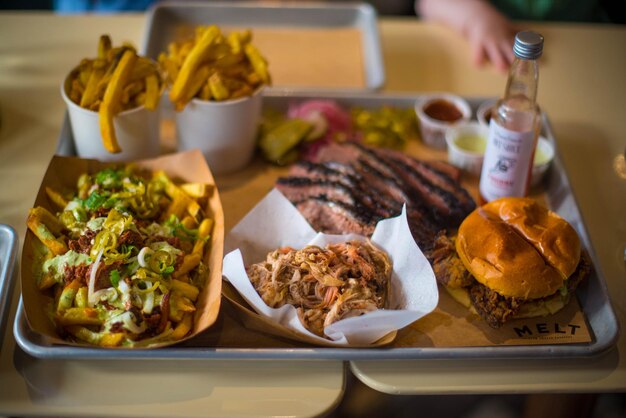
(528, 45)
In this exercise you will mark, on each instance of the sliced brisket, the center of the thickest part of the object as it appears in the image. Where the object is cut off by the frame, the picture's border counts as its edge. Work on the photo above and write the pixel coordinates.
(365, 185)
(334, 217)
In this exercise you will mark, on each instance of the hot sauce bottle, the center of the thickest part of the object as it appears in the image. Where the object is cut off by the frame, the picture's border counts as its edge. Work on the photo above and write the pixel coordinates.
(514, 126)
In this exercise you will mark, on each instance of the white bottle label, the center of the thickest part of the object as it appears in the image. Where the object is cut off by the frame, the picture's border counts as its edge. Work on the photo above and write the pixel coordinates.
(506, 163)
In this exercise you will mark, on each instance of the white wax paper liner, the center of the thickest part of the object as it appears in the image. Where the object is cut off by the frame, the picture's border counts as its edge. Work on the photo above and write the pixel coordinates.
(275, 223)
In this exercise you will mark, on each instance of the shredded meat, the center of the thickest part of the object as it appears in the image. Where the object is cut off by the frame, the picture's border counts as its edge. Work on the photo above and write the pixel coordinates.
(491, 306)
(325, 284)
(497, 309)
(582, 270)
(448, 267)
(130, 237)
(75, 272)
(173, 241)
(83, 243)
(103, 279)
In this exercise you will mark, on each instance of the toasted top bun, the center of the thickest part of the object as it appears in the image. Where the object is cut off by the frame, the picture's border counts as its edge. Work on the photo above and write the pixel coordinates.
(551, 235)
(517, 248)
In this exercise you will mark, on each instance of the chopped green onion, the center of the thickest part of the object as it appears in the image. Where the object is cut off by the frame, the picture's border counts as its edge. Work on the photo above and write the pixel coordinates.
(94, 201)
(109, 178)
(115, 278)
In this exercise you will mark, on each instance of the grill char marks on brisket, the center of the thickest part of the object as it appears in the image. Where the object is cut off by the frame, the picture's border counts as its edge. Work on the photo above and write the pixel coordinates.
(339, 185)
(350, 187)
(435, 184)
(426, 186)
(435, 200)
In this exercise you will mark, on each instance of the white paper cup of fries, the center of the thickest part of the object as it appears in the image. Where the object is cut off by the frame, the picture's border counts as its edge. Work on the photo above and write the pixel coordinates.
(137, 131)
(225, 131)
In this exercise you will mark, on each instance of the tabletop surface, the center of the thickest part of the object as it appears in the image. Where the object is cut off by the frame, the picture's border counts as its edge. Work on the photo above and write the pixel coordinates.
(581, 89)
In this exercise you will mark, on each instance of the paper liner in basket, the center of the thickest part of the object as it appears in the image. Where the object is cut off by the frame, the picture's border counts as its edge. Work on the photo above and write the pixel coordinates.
(275, 223)
(62, 174)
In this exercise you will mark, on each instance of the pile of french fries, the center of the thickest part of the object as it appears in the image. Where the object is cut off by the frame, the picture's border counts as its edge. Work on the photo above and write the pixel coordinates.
(176, 281)
(116, 80)
(213, 66)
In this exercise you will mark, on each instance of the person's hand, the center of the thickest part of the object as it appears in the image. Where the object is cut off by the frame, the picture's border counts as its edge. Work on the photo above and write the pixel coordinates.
(489, 33)
(491, 36)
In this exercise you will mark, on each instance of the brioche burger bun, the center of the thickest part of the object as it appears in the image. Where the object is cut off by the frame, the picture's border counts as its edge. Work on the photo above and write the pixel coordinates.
(523, 252)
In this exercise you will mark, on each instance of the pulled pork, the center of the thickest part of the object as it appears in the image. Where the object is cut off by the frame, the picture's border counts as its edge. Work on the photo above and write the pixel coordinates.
(324, 284)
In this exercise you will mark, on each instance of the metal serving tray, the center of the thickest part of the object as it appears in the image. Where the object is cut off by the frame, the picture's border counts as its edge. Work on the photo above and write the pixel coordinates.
(230, 340)
(166, 18)
(8, 272)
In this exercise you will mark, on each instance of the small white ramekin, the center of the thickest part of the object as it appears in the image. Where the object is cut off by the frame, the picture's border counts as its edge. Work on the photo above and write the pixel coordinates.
(468, 160)
(472, 161)
(433, 131)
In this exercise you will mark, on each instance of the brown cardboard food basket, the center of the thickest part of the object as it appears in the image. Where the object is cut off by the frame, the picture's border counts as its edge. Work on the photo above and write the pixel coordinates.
(62, 174)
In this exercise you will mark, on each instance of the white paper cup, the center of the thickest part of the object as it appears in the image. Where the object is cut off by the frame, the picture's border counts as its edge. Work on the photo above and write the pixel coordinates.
(462, 155)
(224, 131)
(137, 132)
(433, 131)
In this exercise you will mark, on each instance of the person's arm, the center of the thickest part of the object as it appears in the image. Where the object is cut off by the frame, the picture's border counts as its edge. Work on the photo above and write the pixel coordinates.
(488, 31)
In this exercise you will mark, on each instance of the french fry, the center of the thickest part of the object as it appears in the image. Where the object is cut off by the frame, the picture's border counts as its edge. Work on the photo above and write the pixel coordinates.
(101, 339)
(111, 102)
(194, 86)
(92, 90)
(84, 75)
(77, 90)
(45, 226)
(258, 62)
(197, 190)
(56, 198)
(179, 306)
(190, 261)
(183, 327)
(189, 291)
(236, 40)
(181, 202)
(170, 66)
(46, 281)
(228, 60)
(142, 69)
(189, 222)
(151, 100)
(205, 92)
(80, 300)
(218, 90)
(192, 63)
(104, 46)
(79, 316)
(243, 91)
(67, 296)
(177, 208)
